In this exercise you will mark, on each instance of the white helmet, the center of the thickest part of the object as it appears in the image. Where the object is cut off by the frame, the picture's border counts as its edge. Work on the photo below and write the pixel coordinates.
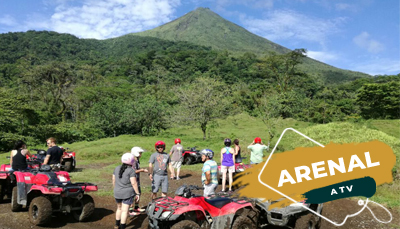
(135, 151)
(127, 158)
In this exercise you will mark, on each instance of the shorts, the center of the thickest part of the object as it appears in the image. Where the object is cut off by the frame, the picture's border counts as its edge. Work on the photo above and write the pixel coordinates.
(159, 181)
(176, 164)
(209, 189)
(127, 201)
(230, 169)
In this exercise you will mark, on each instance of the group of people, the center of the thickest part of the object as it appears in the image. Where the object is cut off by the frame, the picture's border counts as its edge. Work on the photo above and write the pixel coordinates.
(126, 177)
(20, 153)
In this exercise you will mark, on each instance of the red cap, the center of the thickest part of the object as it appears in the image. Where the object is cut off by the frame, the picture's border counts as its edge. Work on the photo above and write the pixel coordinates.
(160, 143)
(257, 140)
(177, 141)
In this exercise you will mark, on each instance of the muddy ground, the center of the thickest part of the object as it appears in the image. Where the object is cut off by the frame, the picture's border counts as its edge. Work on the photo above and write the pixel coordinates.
(104, 215)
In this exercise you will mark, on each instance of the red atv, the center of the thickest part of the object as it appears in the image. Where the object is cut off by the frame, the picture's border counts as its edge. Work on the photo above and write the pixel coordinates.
(187, 210)
(191, 156)
(239, 167)
(68, 160)
(44, 192)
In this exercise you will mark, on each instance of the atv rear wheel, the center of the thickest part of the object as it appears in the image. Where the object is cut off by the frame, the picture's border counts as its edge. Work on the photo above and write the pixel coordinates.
(188, 160)
(1, 192)
(242, 222)
(68, 166)
(185, 224)
(308, 221)
(14, 200)
(86, 205)
(40, 210)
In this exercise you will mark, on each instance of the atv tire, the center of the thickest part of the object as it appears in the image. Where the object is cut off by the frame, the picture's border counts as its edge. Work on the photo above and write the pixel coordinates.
(242, 222)
(1, 192)
(40, 211)
(87, 208)
(188, 160)
(68, 166)
(186, 224)
(14, 200)
(308, 221)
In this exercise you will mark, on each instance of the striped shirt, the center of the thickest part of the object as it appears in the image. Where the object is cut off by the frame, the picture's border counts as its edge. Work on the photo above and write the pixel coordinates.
(211, 166)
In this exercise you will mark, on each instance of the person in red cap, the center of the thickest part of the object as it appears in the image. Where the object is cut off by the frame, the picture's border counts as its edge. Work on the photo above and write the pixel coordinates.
(158, 164)
(257, 148)
(176, 158)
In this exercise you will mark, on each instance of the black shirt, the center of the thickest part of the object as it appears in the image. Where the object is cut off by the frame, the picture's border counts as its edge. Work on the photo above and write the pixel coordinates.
(19, 161)
(55, 153)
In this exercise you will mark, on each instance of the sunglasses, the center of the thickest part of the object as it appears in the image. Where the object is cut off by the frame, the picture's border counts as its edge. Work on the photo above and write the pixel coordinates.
(160, 147)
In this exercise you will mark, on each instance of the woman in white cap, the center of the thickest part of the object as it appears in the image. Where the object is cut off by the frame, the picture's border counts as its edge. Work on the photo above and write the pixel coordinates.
(137, 153)
(125, 189)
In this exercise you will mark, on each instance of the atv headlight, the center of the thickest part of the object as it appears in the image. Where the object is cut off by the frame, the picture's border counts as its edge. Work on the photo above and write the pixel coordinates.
(165, 214)
(240, 169)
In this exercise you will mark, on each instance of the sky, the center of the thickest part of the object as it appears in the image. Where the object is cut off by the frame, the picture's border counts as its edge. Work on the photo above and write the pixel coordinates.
(357, 35)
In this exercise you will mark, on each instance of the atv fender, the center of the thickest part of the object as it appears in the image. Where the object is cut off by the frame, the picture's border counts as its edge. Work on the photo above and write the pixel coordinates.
(190, 208)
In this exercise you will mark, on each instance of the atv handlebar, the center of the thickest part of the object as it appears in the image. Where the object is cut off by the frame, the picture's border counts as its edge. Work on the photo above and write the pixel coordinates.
(194, 187)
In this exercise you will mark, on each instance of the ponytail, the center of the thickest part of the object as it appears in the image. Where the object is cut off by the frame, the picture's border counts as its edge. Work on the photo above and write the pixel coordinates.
(122, 170)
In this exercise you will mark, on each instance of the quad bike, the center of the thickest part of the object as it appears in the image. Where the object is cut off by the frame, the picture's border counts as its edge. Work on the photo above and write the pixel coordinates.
(68, 160)
(191, 156)
(45, 192)
(187, 210)
(293, 216)
(239, 167)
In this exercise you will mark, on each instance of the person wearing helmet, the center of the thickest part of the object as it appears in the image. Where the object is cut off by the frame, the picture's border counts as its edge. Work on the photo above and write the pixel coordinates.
(176, 158)
(137, 153)
(227, 163)
(158, 164)
(125, 188)
(257, 148)
(209, 172)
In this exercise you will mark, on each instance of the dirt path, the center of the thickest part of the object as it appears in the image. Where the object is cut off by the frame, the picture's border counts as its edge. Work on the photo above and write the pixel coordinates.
(104, 215)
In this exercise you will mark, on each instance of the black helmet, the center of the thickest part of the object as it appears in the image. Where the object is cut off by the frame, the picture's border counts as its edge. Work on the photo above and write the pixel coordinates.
(209, 153)
(227, 142)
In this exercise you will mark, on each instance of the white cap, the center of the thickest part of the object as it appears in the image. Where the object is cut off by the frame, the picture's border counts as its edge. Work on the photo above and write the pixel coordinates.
(135, 151)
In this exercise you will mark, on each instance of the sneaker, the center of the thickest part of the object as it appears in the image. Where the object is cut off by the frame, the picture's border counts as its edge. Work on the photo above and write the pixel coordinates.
(134, 213)
(172, 178)
(116, 227)
(139, 210)
(178, 178)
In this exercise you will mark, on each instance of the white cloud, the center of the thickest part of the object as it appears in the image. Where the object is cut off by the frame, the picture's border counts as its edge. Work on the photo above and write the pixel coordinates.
(322, 56)
(8, 20)
(364, 41)
(102, 19)
(290, 25)
(378, 67)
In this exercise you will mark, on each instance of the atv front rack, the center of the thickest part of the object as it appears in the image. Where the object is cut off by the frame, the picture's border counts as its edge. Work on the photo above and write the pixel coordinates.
(160, 205)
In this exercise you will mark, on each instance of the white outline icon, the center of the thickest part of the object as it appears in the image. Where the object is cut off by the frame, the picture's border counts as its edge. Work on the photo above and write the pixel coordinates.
(360, 202)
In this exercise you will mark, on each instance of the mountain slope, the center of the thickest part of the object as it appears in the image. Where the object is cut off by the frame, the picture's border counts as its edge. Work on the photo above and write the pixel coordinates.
(204, 27)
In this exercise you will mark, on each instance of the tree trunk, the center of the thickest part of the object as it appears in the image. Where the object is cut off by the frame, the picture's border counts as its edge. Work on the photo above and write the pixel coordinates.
(204, 128)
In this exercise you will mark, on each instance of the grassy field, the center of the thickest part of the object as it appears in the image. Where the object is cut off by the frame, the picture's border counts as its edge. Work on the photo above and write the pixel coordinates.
(100, 157)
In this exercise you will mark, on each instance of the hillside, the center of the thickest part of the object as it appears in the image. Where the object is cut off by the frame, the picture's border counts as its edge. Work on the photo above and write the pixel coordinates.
(204, 27)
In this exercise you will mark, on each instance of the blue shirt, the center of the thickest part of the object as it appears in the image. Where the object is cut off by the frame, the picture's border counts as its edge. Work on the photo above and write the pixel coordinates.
(211, 166)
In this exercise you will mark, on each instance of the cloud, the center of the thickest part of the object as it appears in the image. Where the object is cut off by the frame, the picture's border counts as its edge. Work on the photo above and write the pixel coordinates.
(364, 41)
(322, 56)
(382, 66)
(293, 26)
(8, 20)
(102, 19)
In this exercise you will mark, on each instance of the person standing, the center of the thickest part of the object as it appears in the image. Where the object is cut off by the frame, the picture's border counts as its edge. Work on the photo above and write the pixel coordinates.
(209, 172)
(54, 153)
(238, 156)
(257, 148)
(227, 163)
(125, 188)
(18, 156)
(158, 164)
(176, 158)
(137, 153)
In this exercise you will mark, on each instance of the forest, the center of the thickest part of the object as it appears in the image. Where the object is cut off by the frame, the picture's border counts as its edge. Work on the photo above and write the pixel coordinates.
(74, 89)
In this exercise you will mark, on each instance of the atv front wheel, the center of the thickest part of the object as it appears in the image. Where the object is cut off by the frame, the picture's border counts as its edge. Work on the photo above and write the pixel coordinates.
(185, 224)
(14, 200)
(188, 160)
(308, 221)
(40, 210)
(68, 166)
(85, 208)
(242, 222)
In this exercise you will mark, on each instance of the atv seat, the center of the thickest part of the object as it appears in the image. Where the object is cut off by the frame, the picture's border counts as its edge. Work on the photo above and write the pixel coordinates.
(218, 202)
